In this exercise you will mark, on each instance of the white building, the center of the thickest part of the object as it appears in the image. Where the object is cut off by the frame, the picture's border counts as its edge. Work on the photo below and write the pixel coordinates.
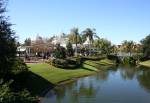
(62, 40)
(87, 42)
(23, 50)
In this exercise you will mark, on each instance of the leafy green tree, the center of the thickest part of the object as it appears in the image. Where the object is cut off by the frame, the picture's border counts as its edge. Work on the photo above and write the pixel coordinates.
(69, 49)
(7, 43)
(146, 46)
(60, 52)
(104, 45)
(10, 67)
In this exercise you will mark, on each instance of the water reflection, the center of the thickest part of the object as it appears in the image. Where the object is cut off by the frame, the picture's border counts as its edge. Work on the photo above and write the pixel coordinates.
(81, 89)
(102, 76)
(111, 86)
(144, 80)
(129, 73)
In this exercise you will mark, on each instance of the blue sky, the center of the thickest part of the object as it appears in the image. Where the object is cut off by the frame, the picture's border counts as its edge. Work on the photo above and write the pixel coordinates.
(115, 20)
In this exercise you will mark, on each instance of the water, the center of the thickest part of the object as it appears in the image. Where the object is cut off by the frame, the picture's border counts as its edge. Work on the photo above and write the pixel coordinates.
(118, 85)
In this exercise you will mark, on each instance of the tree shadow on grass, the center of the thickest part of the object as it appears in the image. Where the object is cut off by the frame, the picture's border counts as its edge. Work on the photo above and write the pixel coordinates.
(102, 64)
(87, 68)
(37, 85)
(96, 66)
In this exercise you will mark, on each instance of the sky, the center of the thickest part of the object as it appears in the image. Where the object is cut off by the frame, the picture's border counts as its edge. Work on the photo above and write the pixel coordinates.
(115, 20)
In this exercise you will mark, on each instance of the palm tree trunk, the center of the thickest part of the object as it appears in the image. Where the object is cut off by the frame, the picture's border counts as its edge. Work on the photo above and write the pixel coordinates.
(76, 51)
(90, 48)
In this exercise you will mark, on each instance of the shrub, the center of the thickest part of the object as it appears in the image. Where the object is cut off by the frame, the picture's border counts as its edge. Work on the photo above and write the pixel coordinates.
(59, 62)
(112, 57)
(92, 57)
(65, 63)
(138, 57)
(129, 60)
(19, 66)
(7, 95)
(125, 60)
(133, 60)
(115, 58)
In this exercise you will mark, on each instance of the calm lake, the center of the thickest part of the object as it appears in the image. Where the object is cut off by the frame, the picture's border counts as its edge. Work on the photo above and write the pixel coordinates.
(117, 85)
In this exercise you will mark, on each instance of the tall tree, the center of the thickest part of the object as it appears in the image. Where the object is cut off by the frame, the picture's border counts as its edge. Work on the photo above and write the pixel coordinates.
(59, 52)
(7, 42)
(18, 44)
(69, 49)
(90, 33)
(9, 64)
(75, 31)
(27, 42)
(146, 46)
(72, 39)
(128, 46)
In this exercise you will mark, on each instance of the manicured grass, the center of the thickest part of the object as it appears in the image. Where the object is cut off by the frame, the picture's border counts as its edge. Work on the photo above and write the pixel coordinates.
(145, 63)
(106, 62)
(56, 75)
(45, 76)
(97, 64)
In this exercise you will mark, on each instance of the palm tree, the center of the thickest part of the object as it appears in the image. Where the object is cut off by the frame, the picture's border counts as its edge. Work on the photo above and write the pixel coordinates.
(114, 49)
(75, 32)
(72, 39)
(128, 46)
(90, 33)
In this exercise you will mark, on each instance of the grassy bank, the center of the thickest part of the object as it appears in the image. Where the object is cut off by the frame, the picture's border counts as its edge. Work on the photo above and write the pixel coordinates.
(145, 63)
(45, 75)
(56, 75)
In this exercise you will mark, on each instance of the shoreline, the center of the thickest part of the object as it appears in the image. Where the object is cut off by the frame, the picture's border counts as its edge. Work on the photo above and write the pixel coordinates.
(64, 82)
(55, 77)
(145, 64)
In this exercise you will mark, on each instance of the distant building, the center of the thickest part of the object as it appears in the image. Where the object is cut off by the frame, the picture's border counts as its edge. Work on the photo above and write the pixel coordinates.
(23, 50)
(87, 42)
(62, 40)
(121, 51)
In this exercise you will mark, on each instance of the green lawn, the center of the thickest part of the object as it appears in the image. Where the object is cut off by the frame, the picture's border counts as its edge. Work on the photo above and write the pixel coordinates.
(106, 62)
(44, 75)
(145, 63)
(56, 75)
(98, 64)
